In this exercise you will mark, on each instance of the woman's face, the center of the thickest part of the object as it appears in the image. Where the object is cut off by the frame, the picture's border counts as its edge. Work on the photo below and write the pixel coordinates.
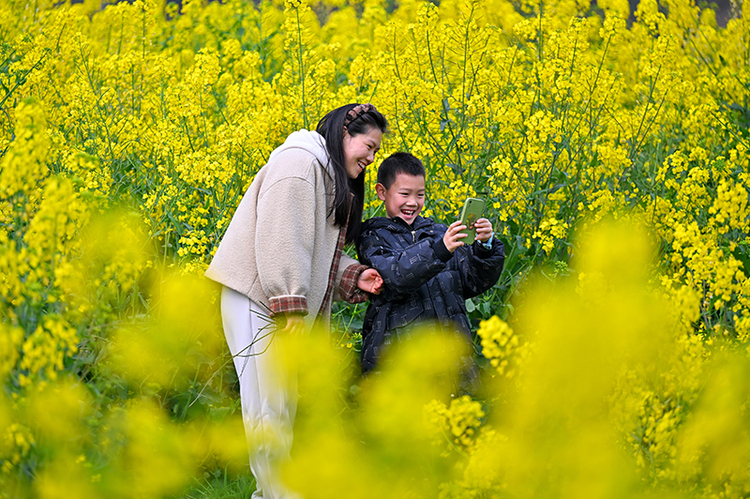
(360, 150)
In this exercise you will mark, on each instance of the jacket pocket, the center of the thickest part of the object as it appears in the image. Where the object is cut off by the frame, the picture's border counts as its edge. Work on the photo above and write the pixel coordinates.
(406, 312)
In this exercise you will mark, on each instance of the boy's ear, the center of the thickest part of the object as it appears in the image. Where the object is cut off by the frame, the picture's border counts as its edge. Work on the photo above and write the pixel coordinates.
(380, 189)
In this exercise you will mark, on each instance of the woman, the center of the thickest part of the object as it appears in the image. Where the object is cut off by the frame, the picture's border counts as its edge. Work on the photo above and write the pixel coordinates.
(282, 256)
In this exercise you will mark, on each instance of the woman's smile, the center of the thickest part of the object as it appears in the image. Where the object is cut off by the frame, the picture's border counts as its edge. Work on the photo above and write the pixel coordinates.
(360, 150)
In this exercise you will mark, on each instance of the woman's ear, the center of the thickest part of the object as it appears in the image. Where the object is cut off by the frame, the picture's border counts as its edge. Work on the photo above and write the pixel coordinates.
(380, 190)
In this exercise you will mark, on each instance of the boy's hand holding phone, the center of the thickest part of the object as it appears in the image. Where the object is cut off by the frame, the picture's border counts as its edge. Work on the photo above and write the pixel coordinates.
(454, 235)
(469, 227)
(456, 232)
(484, 229)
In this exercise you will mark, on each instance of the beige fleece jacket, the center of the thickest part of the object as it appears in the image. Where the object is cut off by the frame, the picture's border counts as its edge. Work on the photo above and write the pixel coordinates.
(279, 246)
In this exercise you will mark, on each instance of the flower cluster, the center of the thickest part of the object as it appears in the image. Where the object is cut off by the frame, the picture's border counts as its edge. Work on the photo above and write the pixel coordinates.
(499, 344)
(459, 422)
(559, 115)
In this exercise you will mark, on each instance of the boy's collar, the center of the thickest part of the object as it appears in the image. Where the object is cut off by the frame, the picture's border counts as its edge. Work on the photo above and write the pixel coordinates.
(414, 225)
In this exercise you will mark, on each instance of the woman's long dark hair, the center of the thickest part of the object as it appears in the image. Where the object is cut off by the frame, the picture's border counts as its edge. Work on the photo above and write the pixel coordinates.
(331, 127)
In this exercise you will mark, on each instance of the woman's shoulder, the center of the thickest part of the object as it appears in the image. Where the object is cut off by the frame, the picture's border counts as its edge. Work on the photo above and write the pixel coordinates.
(292, 162)
(292, 168)
(302, 154)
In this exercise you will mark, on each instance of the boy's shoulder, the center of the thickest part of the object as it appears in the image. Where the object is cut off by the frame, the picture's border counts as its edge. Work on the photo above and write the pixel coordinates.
(429, 223)
(374, 230)
(376, 224)
(394, 232)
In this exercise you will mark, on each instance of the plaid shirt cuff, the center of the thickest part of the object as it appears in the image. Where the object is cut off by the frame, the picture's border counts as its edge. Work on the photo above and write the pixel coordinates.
(348, 284)
(291, 304)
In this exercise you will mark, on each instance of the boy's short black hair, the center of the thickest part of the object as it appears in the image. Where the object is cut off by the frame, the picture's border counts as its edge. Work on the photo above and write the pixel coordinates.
(399, 162)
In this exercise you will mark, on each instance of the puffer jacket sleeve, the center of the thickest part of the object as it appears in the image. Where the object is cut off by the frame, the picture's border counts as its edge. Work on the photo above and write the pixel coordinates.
(482, 268)
(403, 270)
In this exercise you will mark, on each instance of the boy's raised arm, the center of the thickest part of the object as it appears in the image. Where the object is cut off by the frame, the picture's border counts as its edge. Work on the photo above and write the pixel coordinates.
(403, 271)
(481, 270)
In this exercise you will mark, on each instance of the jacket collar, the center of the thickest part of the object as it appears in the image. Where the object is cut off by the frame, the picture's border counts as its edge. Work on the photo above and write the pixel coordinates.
(397, 223)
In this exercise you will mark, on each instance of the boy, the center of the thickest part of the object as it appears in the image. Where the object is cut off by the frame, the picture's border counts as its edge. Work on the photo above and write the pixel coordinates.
(427, 271)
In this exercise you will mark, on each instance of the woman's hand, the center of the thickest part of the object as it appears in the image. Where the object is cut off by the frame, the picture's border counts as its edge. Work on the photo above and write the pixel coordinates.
(484, 230)
(370, 281)
(295, 324)
(453, 236)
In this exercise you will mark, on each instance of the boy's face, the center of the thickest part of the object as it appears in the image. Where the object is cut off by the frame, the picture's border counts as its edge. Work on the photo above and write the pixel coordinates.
(405, 197)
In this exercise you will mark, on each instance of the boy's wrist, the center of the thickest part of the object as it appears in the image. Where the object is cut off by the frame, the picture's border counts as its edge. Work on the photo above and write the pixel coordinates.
(441, 250)
(488, 243)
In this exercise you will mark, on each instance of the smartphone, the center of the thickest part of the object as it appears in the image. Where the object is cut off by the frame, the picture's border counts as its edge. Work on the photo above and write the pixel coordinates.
(471, 212)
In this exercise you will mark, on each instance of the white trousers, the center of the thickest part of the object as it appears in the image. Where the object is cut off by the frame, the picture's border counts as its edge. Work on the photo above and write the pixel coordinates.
(267, 393)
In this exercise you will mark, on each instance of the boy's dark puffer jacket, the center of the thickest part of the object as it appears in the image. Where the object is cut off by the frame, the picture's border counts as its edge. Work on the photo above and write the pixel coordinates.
(422, 280)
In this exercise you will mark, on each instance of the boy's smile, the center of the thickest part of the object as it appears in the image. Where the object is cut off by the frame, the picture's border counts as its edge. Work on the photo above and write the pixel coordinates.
(404, 198)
